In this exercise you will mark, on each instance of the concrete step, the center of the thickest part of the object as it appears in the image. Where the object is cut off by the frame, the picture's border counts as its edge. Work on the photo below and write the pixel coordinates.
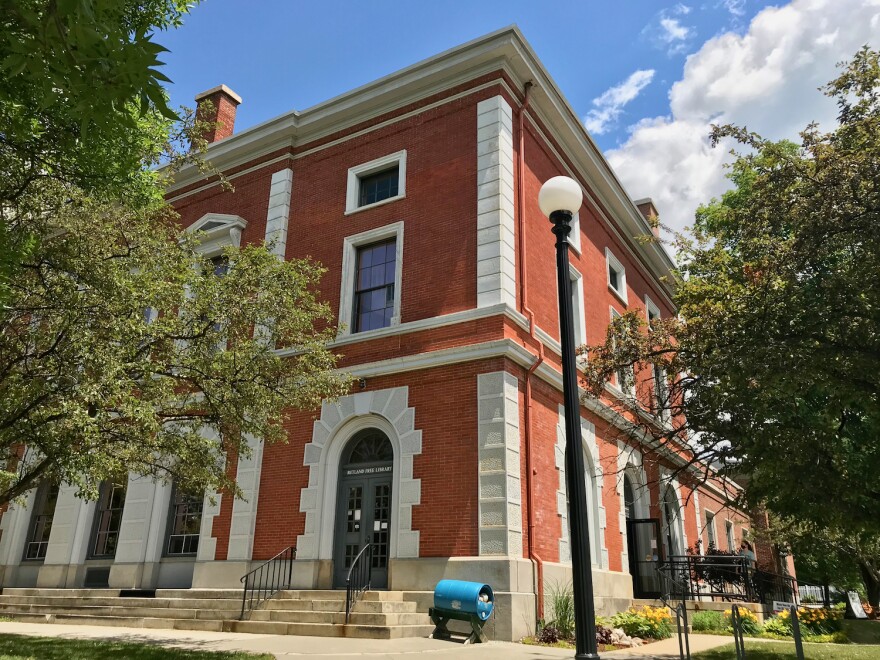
(144, 612)
(302, 605)
(118, 621)
(360, 618)
(161, 603)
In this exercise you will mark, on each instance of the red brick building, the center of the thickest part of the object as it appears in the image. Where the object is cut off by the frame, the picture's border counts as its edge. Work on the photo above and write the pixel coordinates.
(418, 192)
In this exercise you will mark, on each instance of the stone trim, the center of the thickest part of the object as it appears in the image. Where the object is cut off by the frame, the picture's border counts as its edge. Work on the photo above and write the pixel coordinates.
(384, 409)
(496, 248)
(278, 215)
(498, 437)
(244, 511)
(592, 466)
(14, 529)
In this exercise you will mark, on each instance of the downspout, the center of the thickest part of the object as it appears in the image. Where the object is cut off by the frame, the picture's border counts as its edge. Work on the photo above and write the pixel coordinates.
(537, 562)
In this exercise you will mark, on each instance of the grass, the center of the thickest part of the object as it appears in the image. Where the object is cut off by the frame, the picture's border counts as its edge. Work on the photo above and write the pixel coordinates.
(20, 647)
(862, 631)
(784, 651)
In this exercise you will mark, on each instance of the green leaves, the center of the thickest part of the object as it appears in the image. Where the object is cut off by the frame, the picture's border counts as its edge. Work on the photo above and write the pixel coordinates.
(95, 384)
(780, 305)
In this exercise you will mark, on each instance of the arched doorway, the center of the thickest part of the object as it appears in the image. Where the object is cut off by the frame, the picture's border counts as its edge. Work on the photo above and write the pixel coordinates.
(641, 539)
(363, 505)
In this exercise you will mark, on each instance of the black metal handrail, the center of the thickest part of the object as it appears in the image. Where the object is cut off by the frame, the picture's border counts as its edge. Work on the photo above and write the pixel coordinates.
(267, 579)
(359, 577)
(727, 577)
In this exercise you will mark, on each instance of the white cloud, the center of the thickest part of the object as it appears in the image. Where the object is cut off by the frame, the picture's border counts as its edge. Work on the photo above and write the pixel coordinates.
(735, 7)
(765, 79)
(673, 30)
(610, 103)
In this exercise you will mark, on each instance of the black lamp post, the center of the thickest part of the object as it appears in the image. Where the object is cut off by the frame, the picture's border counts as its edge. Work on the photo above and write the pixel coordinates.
(559, 199)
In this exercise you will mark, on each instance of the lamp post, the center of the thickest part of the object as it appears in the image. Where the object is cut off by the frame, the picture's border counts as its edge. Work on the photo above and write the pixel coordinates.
(559, 199)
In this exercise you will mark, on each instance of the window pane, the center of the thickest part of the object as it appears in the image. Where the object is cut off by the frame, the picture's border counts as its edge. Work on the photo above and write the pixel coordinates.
(108, 517)
(612, 277)
(374, 290)
(185, 522)
(376, 187)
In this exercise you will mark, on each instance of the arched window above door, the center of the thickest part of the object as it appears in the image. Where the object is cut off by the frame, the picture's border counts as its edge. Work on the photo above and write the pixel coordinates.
(368, 446)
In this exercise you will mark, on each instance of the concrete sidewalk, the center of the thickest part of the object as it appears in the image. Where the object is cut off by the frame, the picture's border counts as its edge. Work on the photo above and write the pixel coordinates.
(289, 646)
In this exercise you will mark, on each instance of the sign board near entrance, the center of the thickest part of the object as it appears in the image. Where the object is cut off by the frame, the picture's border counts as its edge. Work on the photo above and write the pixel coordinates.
(855, 605)
(354, 472)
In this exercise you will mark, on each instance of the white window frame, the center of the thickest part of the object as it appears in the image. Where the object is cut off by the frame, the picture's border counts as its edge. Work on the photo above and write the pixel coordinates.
(711, 530)
(577, 302)
(574, 237)
(350, 247)
(731, 535)
(613, 262)
(216, 239)
(617, 384)
(358, 172)
(651, 310)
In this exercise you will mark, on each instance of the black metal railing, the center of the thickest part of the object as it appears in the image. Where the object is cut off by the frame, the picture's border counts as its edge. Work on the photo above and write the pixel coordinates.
(359, 577)
(727, 578)
(267, 579)
(737, 625)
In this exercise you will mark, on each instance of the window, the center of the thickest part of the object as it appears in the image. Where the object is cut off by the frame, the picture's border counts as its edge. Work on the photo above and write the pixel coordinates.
(574, 238)
(626, 377)
(371, 275)
(577, 307)
(377, 187)
(374, 288)
(710, 530)
(661, 388)
(616, 276)
(379, 181)
(731, 543)
(41, 522)
(108, 519)
(184, 523)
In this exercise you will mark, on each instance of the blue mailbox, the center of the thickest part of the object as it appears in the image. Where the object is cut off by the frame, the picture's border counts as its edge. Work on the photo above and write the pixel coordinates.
(463, 601)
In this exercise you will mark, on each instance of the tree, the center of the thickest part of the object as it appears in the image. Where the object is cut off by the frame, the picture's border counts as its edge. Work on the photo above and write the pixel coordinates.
(122, 349)
(830, 556)
(778, 340)
(81, 103)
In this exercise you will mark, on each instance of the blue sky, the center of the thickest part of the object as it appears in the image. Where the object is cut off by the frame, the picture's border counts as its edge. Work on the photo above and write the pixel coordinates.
(647, 77)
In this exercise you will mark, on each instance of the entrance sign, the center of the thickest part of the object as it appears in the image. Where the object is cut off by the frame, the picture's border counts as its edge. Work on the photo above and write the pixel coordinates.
(780, 605)
(354, 472)
(855, 605)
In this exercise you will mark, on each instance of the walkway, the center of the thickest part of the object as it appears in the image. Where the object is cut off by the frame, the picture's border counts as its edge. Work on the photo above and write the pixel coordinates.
(285, 646)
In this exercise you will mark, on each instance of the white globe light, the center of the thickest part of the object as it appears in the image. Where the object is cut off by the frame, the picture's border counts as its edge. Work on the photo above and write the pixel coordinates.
(561, 193)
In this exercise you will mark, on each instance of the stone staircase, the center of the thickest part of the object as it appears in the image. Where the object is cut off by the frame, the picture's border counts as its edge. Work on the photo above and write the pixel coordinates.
(377, 615)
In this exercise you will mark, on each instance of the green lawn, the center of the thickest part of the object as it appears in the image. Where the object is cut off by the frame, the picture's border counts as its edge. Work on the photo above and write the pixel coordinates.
(785, 650)
(20, 647)
(862, 631)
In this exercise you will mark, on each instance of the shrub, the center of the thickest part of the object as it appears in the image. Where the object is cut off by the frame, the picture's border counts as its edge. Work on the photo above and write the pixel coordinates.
(651, 622)
(778, 626)
(820, 621)
(563, 611)
(748, 621)
(708, 620)
(548, 635)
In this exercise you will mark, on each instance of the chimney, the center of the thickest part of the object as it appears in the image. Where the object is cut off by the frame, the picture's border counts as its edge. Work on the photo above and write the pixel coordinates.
(224, 103)
(646, 206)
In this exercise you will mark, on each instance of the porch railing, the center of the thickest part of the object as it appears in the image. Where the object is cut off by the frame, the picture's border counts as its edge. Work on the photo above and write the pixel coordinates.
(359, 577)
(267, 579)
(728, 578)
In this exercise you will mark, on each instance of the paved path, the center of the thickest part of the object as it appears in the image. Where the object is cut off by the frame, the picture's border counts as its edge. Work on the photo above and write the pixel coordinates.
(288, 646)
